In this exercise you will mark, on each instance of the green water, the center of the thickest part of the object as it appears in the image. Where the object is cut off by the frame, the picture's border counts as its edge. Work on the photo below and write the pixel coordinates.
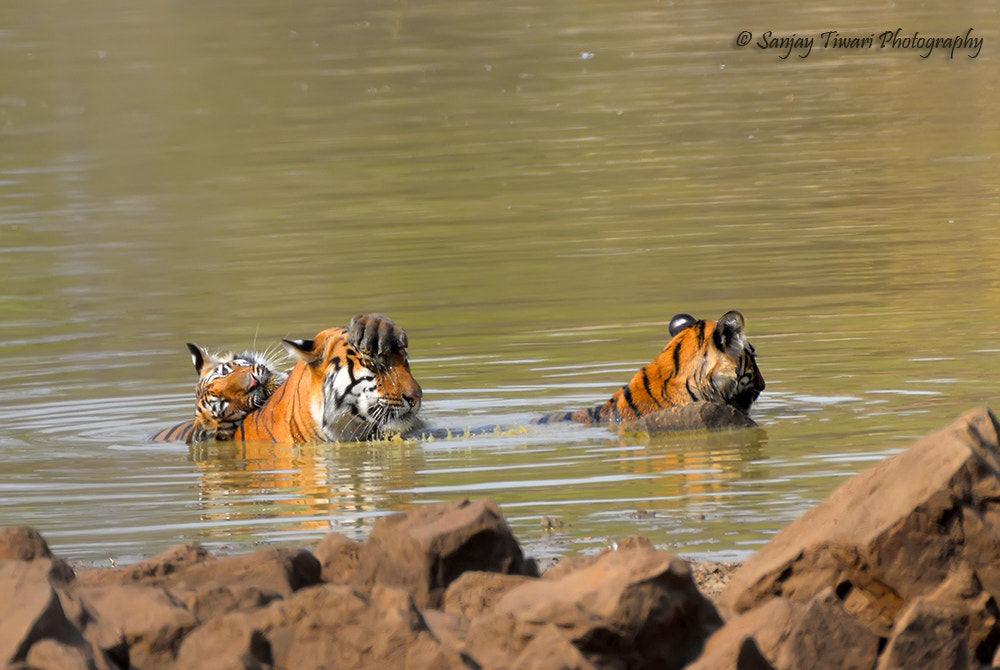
(532, 191)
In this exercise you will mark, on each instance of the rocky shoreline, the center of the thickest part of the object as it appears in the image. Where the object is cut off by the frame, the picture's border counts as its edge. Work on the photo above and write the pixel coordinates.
(897, 569)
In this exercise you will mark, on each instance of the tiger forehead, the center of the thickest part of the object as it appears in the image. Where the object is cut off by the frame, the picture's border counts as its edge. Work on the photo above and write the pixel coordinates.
(334, 342)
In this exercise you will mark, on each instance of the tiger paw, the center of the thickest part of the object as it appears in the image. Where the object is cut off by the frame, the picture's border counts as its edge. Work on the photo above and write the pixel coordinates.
(376, 335)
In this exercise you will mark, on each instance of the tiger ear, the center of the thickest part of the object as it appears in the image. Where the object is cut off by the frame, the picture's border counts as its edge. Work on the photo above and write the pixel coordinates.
(680, 322)
(303, 349)
(200, 357)
(729, 332)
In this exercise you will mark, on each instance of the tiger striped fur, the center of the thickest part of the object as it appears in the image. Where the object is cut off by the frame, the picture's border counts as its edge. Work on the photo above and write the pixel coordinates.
(704, 361)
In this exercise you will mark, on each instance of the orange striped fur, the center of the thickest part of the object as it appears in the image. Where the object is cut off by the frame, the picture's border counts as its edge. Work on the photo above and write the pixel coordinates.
(230, 386)
(704, 361)
(335, 392)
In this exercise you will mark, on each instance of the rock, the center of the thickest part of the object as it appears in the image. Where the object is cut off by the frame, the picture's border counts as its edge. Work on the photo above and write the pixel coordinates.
(551, 649)
(152, 622)
(495, 641)
(637, 607)
(32, 610)
(20, 543)
(217, 586)
(49, 654)
(476, 592)
(322, 626)
(791, 635)
(231, 642)
(210, 601)
(272, 571)
(712, 416)
(427, 549)
(150, 570)
(824, 635)
(338, 557)
(962, 594)
(741, 654)
(926, 636)
(893, 533)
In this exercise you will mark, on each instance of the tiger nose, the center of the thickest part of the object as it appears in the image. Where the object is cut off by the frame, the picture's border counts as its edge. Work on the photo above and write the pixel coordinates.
(413, 396)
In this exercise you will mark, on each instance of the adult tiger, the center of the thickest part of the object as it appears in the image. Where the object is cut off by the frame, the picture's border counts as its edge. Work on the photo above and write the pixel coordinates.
(349, 383)
(704, 361)
(230, 386)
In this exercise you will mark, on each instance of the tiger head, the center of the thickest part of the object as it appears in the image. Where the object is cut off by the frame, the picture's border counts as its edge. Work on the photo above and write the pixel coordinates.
(230, 386)
(705, 361)
(715, 360)
(351, 393)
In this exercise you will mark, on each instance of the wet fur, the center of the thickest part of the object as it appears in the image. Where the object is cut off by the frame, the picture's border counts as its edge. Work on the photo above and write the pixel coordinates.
(704, 361)
(337, 393)
(230, 386)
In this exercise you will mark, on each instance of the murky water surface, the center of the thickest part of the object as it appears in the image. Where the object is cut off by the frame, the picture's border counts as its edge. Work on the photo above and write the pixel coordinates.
(532, 191)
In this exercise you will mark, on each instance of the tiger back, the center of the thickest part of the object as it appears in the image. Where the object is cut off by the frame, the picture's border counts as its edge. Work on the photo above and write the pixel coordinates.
(230, 386)
(704, 361)
(340, 391)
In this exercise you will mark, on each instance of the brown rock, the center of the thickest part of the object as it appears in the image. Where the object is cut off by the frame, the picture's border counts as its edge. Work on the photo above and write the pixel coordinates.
(450, 629)
(767, 625)
(737, 654)
(150, 620)
(235, 641)
(824, 635)
(550, 649)
(150, 570)
(791, 635)
(210, 601)
(476, 592)
(973, 608)
(21, 543)
(338, 557)
(638, 607)
(498, 639)
(273, 571)
(323, 626)
(893, 533)
(927, 636)
(428, 548)
(49, 654)
(32, 610)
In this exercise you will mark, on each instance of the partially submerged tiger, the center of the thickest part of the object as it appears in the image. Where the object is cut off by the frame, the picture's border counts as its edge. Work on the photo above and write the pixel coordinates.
(705, 361)
(230, 386)
(349, 383)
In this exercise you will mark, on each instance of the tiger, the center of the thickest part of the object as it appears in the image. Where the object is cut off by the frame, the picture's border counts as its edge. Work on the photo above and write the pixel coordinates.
(704, 361)
(230, 386)
(349, 384)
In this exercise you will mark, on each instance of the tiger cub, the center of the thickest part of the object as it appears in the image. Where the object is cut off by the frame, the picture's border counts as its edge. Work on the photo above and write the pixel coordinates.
(230, 386)
(704, 361)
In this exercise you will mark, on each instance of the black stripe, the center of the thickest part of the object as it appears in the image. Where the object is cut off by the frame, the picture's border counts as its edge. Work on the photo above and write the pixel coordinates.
(176, 433)
(649, 390)
(690, 392)
(627, 394)
(677, 362)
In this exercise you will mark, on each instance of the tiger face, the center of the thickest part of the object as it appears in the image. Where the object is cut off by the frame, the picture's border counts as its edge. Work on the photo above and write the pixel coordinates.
(339, 392)
(727, 362)
(230, 386)
(704, 361)
(364, 397)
